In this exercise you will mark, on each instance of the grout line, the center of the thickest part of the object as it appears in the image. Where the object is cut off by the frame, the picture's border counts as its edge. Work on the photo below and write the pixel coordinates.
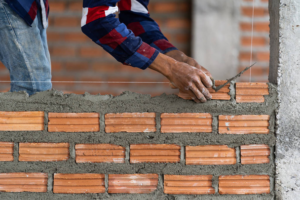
(127, 155)
(72, 151)
(45, 121)
(238, 155)
(160, 185)
(102, 123)
(16, 152)
(50, 182)
(158, 123)
(106, 182)
(182, 155)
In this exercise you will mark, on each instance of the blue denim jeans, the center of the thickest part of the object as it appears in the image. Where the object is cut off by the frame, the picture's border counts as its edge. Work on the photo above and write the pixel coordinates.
(24, 52)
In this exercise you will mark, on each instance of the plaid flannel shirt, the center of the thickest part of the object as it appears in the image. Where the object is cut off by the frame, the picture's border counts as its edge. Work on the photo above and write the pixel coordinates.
(27, 9)
(134, 39)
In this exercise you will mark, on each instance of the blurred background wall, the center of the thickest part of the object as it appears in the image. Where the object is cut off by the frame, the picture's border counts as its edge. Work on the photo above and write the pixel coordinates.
(75, 58)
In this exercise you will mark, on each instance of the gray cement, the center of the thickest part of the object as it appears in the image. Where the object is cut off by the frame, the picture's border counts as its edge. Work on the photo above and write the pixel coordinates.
(55, 101)
(286, 67)
(215, 36)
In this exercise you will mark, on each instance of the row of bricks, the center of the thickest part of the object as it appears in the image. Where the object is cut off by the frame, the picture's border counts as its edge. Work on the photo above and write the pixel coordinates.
(134, 122)
(138, 153)
(134, 183)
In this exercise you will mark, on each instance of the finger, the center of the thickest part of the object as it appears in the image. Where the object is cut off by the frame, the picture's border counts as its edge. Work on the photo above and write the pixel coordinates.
(203, 90)
(188, 95)
(205, 79)
(198, 94)
(172, 85)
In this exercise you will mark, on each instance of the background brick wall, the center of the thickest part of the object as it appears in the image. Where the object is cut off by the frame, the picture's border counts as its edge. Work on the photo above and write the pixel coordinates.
(75, 58)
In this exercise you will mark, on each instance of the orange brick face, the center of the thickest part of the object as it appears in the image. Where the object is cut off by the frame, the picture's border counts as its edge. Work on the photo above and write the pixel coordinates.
(49, 152)
(186, 122)
(6, 151)
(251, 92)
(255, 154)
(244, 124)
(23, 182)
(78, 183)
(238, 184)
(210, 155)
(99, 153)
(132, 183)
(73, 122)
(191, 185)
(154, 153)
(130, 122)
(22, 121)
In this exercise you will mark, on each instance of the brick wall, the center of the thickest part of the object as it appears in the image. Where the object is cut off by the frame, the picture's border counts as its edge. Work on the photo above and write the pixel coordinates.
(76, 58)
(261, 51)
(56, 146)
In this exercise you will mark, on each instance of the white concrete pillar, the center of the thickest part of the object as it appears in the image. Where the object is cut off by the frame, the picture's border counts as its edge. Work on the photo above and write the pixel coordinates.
(285, 71)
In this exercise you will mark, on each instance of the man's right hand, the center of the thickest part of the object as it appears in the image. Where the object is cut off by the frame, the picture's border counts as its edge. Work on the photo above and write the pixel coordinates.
(186, 78)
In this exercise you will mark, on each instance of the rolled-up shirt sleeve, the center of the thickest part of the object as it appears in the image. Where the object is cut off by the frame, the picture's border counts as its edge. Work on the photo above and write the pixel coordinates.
(135, 15)
(100, 24)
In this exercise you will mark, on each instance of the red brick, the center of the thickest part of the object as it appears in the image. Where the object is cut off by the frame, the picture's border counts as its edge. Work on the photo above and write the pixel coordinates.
(255, 154)
(75, 37)
(77, 66)
(54, 36)
(56, 66)
(99, 153)
(63, 51)
(191, 185)
(73, 122)
(178, 23)
(263, 56)
(132, 183)
(130, 122)
(251, 92)
(23, 182)
(78, 183)
(75, 6)
(256, 41)
(91, 52)
(164, 7)
(46, 152)
(186, 122)
(6, 151)
(244, 124)
(245, 56)
(240, 184)
(258, 11)
(210, 155)
(22, 121)
(262, 26)
(57, 6)
(67, 21)
(154, 153)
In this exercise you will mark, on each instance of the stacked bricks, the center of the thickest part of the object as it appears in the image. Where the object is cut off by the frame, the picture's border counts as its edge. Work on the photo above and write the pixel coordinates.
(260, 41)
(139, 146)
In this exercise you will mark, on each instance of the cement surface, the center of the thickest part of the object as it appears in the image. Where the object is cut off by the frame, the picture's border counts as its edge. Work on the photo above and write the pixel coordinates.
(55, 101)
(288, 118)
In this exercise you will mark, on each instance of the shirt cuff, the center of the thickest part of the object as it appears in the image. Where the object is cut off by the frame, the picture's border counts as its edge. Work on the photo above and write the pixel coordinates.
(163, 46)
(143, 57)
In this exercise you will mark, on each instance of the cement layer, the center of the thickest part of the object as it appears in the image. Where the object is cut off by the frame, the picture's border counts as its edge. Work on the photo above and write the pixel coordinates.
(55, 101)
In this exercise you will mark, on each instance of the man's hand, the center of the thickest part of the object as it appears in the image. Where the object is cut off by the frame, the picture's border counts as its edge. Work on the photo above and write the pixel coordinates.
(188, 79)
(181, 57)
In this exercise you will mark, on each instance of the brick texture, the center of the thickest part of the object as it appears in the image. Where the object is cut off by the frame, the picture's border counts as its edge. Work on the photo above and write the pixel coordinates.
(130, 122)
(255, 154)
(193, 185)
(244, 124)
(251, 92)
(154, 153)
(23, 182)
(22, 121)
(132, 183)
(99, 153)
(78, 183)
(6, 151)
(210, 155)
(43, 152)
(238, 184)
(73, 122)
(186, 122)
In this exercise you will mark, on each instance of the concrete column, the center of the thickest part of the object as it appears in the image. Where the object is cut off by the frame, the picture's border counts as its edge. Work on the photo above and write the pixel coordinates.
(216, 36)
(285, 71)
